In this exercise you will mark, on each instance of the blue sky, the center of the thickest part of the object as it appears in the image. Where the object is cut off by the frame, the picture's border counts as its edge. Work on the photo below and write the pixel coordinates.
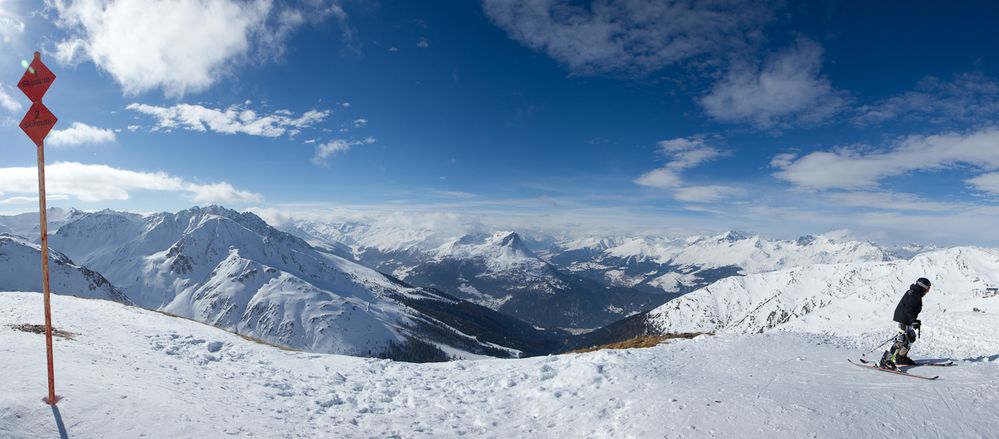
(781, 118)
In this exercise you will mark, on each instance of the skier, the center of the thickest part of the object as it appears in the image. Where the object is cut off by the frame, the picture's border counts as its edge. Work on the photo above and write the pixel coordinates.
(906, 314)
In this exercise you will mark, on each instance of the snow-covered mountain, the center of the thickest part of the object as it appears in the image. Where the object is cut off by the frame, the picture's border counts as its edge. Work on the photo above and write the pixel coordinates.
(851, 299)
(653, 264)
(234, 271)
(495, 269)
(20, 270)
(129, 372)
(677, 266)
(26, 224)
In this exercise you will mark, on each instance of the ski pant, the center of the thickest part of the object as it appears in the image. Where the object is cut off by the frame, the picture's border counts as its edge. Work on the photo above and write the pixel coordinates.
(903, 341)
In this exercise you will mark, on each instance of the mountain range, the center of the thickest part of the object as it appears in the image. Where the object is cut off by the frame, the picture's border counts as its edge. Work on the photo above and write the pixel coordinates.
(434, 294)
(667, 265)
(570, 282)
(234, 271)
(496, 270)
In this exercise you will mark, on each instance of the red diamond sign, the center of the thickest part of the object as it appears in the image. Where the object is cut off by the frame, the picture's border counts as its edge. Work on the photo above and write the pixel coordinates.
(36, 80)
(38, 122)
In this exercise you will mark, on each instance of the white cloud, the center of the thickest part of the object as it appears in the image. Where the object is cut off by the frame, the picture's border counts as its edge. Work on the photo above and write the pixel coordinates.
(180, 46)
(327, 149)
(78, 134)
(891, 201)
(633, 37)
(12, 201)
(393, 49)
(360, 123)
(986, 182)
(232, 120)
(706, 194)
(220, 193)
(335, 146)
(684, 154)
(11, 26)
(688, 152)
(423, 44)
(660, 178)
(97, 183)
(863, 168)
(7, 101)
(787, 89)
(970, 98)
(782, 160)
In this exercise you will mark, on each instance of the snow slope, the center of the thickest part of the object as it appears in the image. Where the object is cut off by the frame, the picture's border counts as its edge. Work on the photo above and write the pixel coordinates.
(852, 300)
(20, 269)
(135, 373)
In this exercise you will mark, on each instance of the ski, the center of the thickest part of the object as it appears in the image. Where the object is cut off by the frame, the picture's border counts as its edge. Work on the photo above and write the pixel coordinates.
(918, 363)
(947, 364)
(896, 372)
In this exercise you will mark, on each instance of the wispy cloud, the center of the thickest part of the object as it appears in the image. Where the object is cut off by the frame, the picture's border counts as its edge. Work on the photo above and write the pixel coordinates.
(179, 46)
(706, 194)
(968, 99)
(860, 167)
(14, 201)
(630, 37)
(788, 89)
(683, 154)
(79, 134)
(98, 183)
(11, 25)
(230, 120)
(895, 201)
(7, 101)
(337, 146)
(986, 183)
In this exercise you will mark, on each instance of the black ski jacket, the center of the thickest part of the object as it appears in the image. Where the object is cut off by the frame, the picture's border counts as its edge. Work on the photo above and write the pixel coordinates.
(911, 304)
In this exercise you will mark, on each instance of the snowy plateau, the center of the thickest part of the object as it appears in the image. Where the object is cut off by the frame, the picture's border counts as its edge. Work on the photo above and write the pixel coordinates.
(129, 372)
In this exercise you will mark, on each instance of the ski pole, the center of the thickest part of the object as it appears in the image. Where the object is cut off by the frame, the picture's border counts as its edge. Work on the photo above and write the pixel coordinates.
(878, 346)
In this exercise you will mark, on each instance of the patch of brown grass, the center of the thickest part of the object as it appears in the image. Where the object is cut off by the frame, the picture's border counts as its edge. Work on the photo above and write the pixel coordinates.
(645, 341)
(40, 329)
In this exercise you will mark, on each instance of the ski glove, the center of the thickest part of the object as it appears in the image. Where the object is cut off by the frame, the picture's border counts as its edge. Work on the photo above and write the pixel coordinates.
(917, 324)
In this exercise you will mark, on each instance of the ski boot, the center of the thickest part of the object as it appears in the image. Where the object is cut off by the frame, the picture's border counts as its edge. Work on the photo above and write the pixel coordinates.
(887, 361)
(902, 360)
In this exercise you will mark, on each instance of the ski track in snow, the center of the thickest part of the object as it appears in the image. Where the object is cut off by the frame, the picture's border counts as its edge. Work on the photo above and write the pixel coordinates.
(136, 373)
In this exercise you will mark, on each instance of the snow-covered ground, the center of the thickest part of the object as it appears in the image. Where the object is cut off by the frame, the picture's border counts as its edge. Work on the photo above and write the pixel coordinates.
(852, 300)
(136, 373)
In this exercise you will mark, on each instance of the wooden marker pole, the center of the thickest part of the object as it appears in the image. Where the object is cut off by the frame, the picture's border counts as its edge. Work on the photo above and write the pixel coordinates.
(43, 222)
(37, 124)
